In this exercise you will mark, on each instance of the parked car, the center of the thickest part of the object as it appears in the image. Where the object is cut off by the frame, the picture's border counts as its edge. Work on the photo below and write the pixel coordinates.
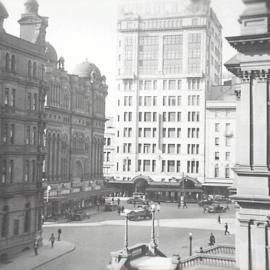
(110, 206)
(216, 208)
(77, 216)
(205, 202)
(142, 213)
(136, 201)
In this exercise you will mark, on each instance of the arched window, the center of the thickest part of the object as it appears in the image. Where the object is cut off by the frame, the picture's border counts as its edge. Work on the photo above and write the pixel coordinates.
(7, 62)
(13, 63)
(216, 171)
(27, 218)
(4, 172)
(35, 70)
(29, 69)
(5, 221)
(109, 141)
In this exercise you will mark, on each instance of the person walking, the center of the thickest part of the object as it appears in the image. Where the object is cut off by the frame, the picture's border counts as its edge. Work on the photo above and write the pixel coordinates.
(52, 239)
(118, 201)
(119, 210)
(219, 219)
(122, 209)
(35, 246)
(226, 229)
(212, 240)
(59, 231)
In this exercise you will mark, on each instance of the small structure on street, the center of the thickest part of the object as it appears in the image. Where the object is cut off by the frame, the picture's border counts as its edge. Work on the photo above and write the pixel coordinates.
(143, 256)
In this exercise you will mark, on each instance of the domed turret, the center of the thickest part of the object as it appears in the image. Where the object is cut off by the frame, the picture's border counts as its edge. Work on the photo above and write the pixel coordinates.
(50, 53)
(31, 6)
(87, 70)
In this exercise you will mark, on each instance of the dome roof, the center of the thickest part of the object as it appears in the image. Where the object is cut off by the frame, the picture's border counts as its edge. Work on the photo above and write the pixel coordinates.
(31, 6)
(50, 52)
(86, 70)
(3, 11)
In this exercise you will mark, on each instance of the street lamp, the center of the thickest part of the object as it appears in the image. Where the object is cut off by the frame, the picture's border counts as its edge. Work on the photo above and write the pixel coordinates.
(158, 212)
(190, 244)
(125, 214)
(153, 236)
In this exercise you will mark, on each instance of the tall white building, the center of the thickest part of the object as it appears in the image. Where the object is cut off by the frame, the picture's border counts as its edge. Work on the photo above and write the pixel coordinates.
(169, 53)
(220, 139)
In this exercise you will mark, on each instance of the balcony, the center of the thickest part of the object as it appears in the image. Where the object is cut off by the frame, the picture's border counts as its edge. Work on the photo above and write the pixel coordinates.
(10, 190)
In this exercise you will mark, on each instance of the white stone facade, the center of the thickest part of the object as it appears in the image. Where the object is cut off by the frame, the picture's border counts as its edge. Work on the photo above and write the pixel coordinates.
(165, 64)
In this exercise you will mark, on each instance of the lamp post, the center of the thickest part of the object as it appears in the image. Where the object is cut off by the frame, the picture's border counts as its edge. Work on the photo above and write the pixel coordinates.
(125, 214)
(153, 236)
(158, 212)
(190, 244)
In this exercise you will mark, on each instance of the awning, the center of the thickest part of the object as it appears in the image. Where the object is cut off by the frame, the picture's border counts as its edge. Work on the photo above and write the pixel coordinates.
(217, 184)
(82, 195)
(164, 189)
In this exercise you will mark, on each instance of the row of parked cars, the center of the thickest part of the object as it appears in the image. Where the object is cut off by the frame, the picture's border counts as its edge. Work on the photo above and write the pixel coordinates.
(215, 204)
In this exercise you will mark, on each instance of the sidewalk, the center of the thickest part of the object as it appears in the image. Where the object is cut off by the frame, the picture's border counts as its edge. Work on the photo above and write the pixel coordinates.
(28, 261)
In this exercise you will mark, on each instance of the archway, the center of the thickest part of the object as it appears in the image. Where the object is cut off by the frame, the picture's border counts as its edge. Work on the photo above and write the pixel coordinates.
(140, 183)
(78, 171)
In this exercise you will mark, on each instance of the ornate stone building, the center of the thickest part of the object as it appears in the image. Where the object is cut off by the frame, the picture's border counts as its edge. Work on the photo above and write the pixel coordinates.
(252, 65)
(52, 132)
(75, 111)
(22, 152)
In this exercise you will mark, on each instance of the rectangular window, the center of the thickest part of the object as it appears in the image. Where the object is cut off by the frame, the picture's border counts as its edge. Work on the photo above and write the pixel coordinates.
(178, 148)
(216, 141)
(228, 141)
(173, 54)
(155, 85)
(154, 101)
(11, 171)
(228, 156)
(178, 132)
(5, 134)
(194, 53)
(139, 165)
(171, 133)
(171, 166)
(26, 171)
(147, 117)
(179, 117)
(147, 101)
(154, 132)
(33, 171)
(171, 117)
(171, 148)
(178, 166)
(172, 84)
(171, 101)
(216, 155)
(4, 172)
(153, 165)
(164, 133)
(146, 165)
(163, 165)
(227, 172)
(35, 102)
(217, 127)
(147, 132)
(146, 148)
(29, 102)
(13, 98)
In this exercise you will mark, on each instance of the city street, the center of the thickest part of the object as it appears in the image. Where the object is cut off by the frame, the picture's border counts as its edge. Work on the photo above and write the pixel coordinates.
(97, 237)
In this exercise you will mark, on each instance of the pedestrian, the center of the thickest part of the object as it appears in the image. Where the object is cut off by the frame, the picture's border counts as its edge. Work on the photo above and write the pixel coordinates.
(201, 249)
(52, 239)
(118, 201)
(212, 240)
(35, 246)
(122, 209)
(185, 204)
(98, 206)
(219, 219)
(226, 229)
(119, 210)
(59, 231)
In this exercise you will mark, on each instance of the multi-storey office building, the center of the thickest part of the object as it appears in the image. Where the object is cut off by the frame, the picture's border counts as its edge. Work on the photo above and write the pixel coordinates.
(22, 124)
(109, 148)
(169, 53)
(220, 139)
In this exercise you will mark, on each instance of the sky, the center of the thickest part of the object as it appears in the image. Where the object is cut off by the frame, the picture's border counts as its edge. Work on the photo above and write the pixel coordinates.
(86, 29)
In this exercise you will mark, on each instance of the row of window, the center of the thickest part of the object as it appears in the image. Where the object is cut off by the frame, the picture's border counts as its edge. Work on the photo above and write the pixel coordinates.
(8, 133)
(227, 156)
(171, 116)
(32, 102)
(5, 222)
(227, 171)
(193, 100)
(145, 85)
(7, 171)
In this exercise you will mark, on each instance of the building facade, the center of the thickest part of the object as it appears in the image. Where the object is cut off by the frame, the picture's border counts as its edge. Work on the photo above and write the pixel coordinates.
(220, 140)
(22, 146)
(109, 149)
(252, 65)
(168, 56)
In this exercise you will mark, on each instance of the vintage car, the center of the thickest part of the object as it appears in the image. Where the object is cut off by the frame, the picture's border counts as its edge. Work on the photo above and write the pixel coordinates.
(139, 214)
(205, 202)
(136, 201)
(110, 206)
(77, 216)
(216, 208)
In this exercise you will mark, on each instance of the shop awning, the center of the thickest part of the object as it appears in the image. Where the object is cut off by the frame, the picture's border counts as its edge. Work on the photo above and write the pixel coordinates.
(82, 195)
(164, 189)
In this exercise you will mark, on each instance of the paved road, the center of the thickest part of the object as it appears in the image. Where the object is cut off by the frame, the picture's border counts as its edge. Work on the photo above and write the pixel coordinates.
(101, 234)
